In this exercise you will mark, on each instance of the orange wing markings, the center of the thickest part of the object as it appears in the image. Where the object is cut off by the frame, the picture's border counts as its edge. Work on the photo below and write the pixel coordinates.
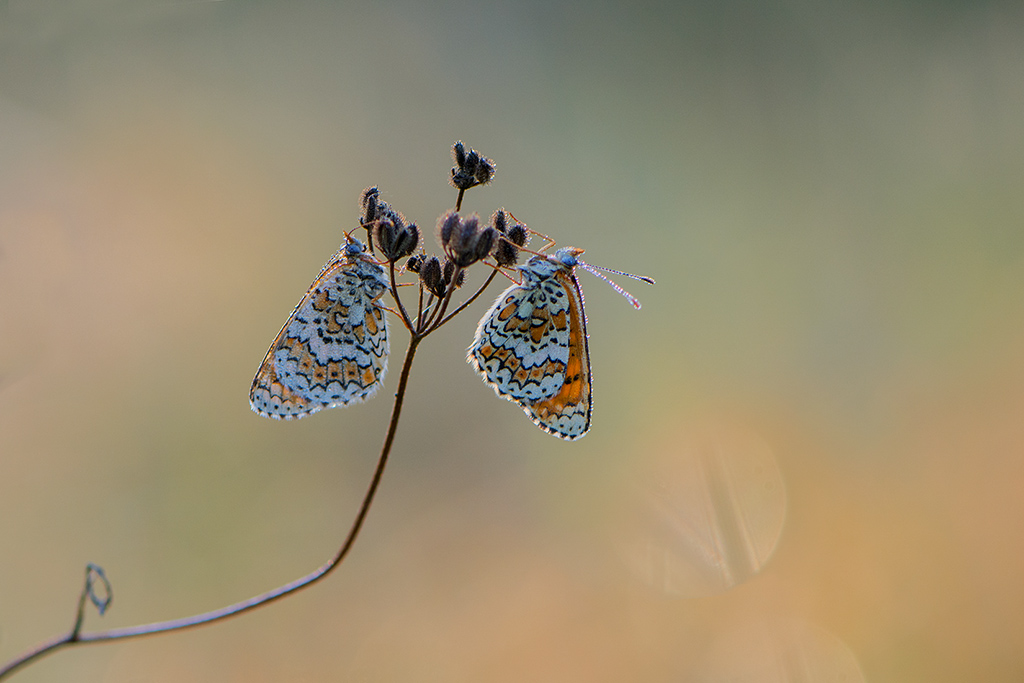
(567, 413)
(532, 348)
(320, 358)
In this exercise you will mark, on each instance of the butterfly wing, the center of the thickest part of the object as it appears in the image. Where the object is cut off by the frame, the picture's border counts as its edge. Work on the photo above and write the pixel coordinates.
(531, 347)
(522, 344)
(567, 413)
(333, 349)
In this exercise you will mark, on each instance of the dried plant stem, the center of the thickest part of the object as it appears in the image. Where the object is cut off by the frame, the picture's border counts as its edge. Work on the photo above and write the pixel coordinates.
(467, 302)
(428, 318)
(398, 299)
(75, 637)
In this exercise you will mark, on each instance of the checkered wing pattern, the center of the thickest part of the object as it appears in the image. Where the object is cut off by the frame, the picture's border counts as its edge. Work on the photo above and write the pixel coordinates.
(333, 350)
(531, 347)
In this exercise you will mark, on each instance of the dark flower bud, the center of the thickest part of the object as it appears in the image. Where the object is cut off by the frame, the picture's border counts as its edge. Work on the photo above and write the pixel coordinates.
(462, 181)
(449, 270)
(463, 239)
(485, 240)
(431, 276)
(377, 210)
(464, 234)
(471, 167)
(472, 161)
(499, 219)
(518, 235)
(407, 242)
(465, 247)
(484, 171)
(382, 231)
(368, 202)
(446, 227)
(506, 246)
(505, 253)
(395, 239)
(414, 263)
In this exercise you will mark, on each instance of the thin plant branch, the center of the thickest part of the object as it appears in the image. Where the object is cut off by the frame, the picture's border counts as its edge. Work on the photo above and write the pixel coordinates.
(75, 637)
(467, 302)
(428, 318)
(398, 300)
(439, 310)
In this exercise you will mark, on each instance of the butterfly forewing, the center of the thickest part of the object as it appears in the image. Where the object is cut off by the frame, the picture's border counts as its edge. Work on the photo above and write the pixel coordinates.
(333, 349)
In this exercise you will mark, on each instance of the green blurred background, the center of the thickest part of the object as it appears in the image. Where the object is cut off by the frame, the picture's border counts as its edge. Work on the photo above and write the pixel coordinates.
(828, 194)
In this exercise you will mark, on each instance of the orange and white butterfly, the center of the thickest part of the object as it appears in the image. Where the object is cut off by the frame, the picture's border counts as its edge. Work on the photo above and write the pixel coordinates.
(333, 350)
(531, 346)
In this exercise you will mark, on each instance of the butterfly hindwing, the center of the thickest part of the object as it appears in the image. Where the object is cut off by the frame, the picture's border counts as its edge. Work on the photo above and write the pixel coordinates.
(333, 349)
(531, 347)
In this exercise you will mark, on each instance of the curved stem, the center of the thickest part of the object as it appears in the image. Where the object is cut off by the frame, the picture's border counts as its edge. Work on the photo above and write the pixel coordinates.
(439, 310)
(398, 300)
(74, 637)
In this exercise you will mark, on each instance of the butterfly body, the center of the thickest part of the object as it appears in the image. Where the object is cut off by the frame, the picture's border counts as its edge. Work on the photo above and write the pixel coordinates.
(531, 347)
(333, 349)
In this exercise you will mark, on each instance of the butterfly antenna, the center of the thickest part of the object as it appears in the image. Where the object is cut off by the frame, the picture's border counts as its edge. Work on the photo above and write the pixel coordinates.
(641, 278)
(595, 270)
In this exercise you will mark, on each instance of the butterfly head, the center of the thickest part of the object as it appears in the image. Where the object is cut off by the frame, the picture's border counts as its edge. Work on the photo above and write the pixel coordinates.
(353, 247)
(567, 256)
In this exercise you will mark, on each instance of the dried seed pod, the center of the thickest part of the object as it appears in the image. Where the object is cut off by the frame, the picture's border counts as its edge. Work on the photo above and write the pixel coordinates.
(464, 235)
(471, 167)
(499, 219)
(472, 160)
(394, 239)
(382, 231)
(506, 248)
(518, 235)
(448, 270)
(431, 276)
(485, 240)
(505, 253)
(407, 242)
(368, 203)
(466, 247)
(484, 171)
(446, 227)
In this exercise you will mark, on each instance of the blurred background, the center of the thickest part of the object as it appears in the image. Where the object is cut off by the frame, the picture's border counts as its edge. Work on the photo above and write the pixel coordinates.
(806, 458)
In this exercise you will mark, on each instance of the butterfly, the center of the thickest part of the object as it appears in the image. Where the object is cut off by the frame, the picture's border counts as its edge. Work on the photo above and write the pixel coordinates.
(333, 349)
(532, 348)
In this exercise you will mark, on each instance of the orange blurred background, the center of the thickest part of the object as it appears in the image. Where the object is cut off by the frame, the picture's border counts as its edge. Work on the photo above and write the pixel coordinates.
(806, 460)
